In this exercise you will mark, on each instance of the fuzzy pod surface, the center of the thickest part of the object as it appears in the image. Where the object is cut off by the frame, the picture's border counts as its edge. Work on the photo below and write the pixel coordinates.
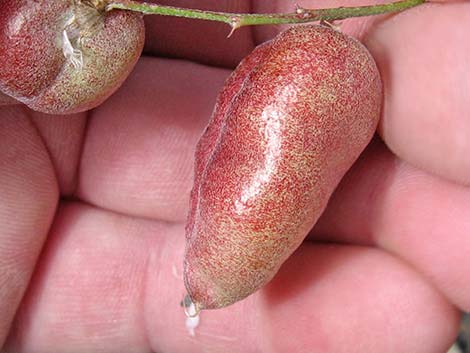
(65, 56)
(288, 124)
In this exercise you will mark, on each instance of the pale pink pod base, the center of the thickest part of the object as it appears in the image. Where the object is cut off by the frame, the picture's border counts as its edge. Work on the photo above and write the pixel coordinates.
(289, 123)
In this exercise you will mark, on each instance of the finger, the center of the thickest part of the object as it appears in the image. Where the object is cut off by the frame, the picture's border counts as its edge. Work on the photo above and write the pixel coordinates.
(87, 292)
(108, 281)
(422, 55)
(419, 217)
(340, 292)
(28, 196)
(63, 137)
(202, 41)
(139, 151)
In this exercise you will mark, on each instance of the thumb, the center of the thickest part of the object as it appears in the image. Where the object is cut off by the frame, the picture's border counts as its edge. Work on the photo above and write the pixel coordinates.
(28, 197)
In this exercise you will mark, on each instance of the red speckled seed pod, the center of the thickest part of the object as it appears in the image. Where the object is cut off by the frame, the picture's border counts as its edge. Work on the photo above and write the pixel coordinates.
(289, 123)
(63, 56)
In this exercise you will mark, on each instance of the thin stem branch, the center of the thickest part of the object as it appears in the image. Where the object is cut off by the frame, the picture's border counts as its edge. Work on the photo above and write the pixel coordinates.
(237, 20)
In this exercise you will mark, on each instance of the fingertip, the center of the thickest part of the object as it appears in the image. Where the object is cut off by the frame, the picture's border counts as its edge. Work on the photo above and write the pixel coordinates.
(422, 55)
(353, 299)
(142, 140)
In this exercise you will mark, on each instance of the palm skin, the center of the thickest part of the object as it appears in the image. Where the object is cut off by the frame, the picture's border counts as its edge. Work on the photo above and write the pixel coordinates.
(93, 207)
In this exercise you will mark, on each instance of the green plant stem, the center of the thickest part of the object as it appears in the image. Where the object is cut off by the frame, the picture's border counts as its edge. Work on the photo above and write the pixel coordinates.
(236, 20)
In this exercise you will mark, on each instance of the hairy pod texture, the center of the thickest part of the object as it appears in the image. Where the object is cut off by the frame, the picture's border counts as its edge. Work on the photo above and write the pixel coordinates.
(288, 124)
(65, 56)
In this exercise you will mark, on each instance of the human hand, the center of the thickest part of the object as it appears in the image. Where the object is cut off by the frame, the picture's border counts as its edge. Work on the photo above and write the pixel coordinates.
(105, 195)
